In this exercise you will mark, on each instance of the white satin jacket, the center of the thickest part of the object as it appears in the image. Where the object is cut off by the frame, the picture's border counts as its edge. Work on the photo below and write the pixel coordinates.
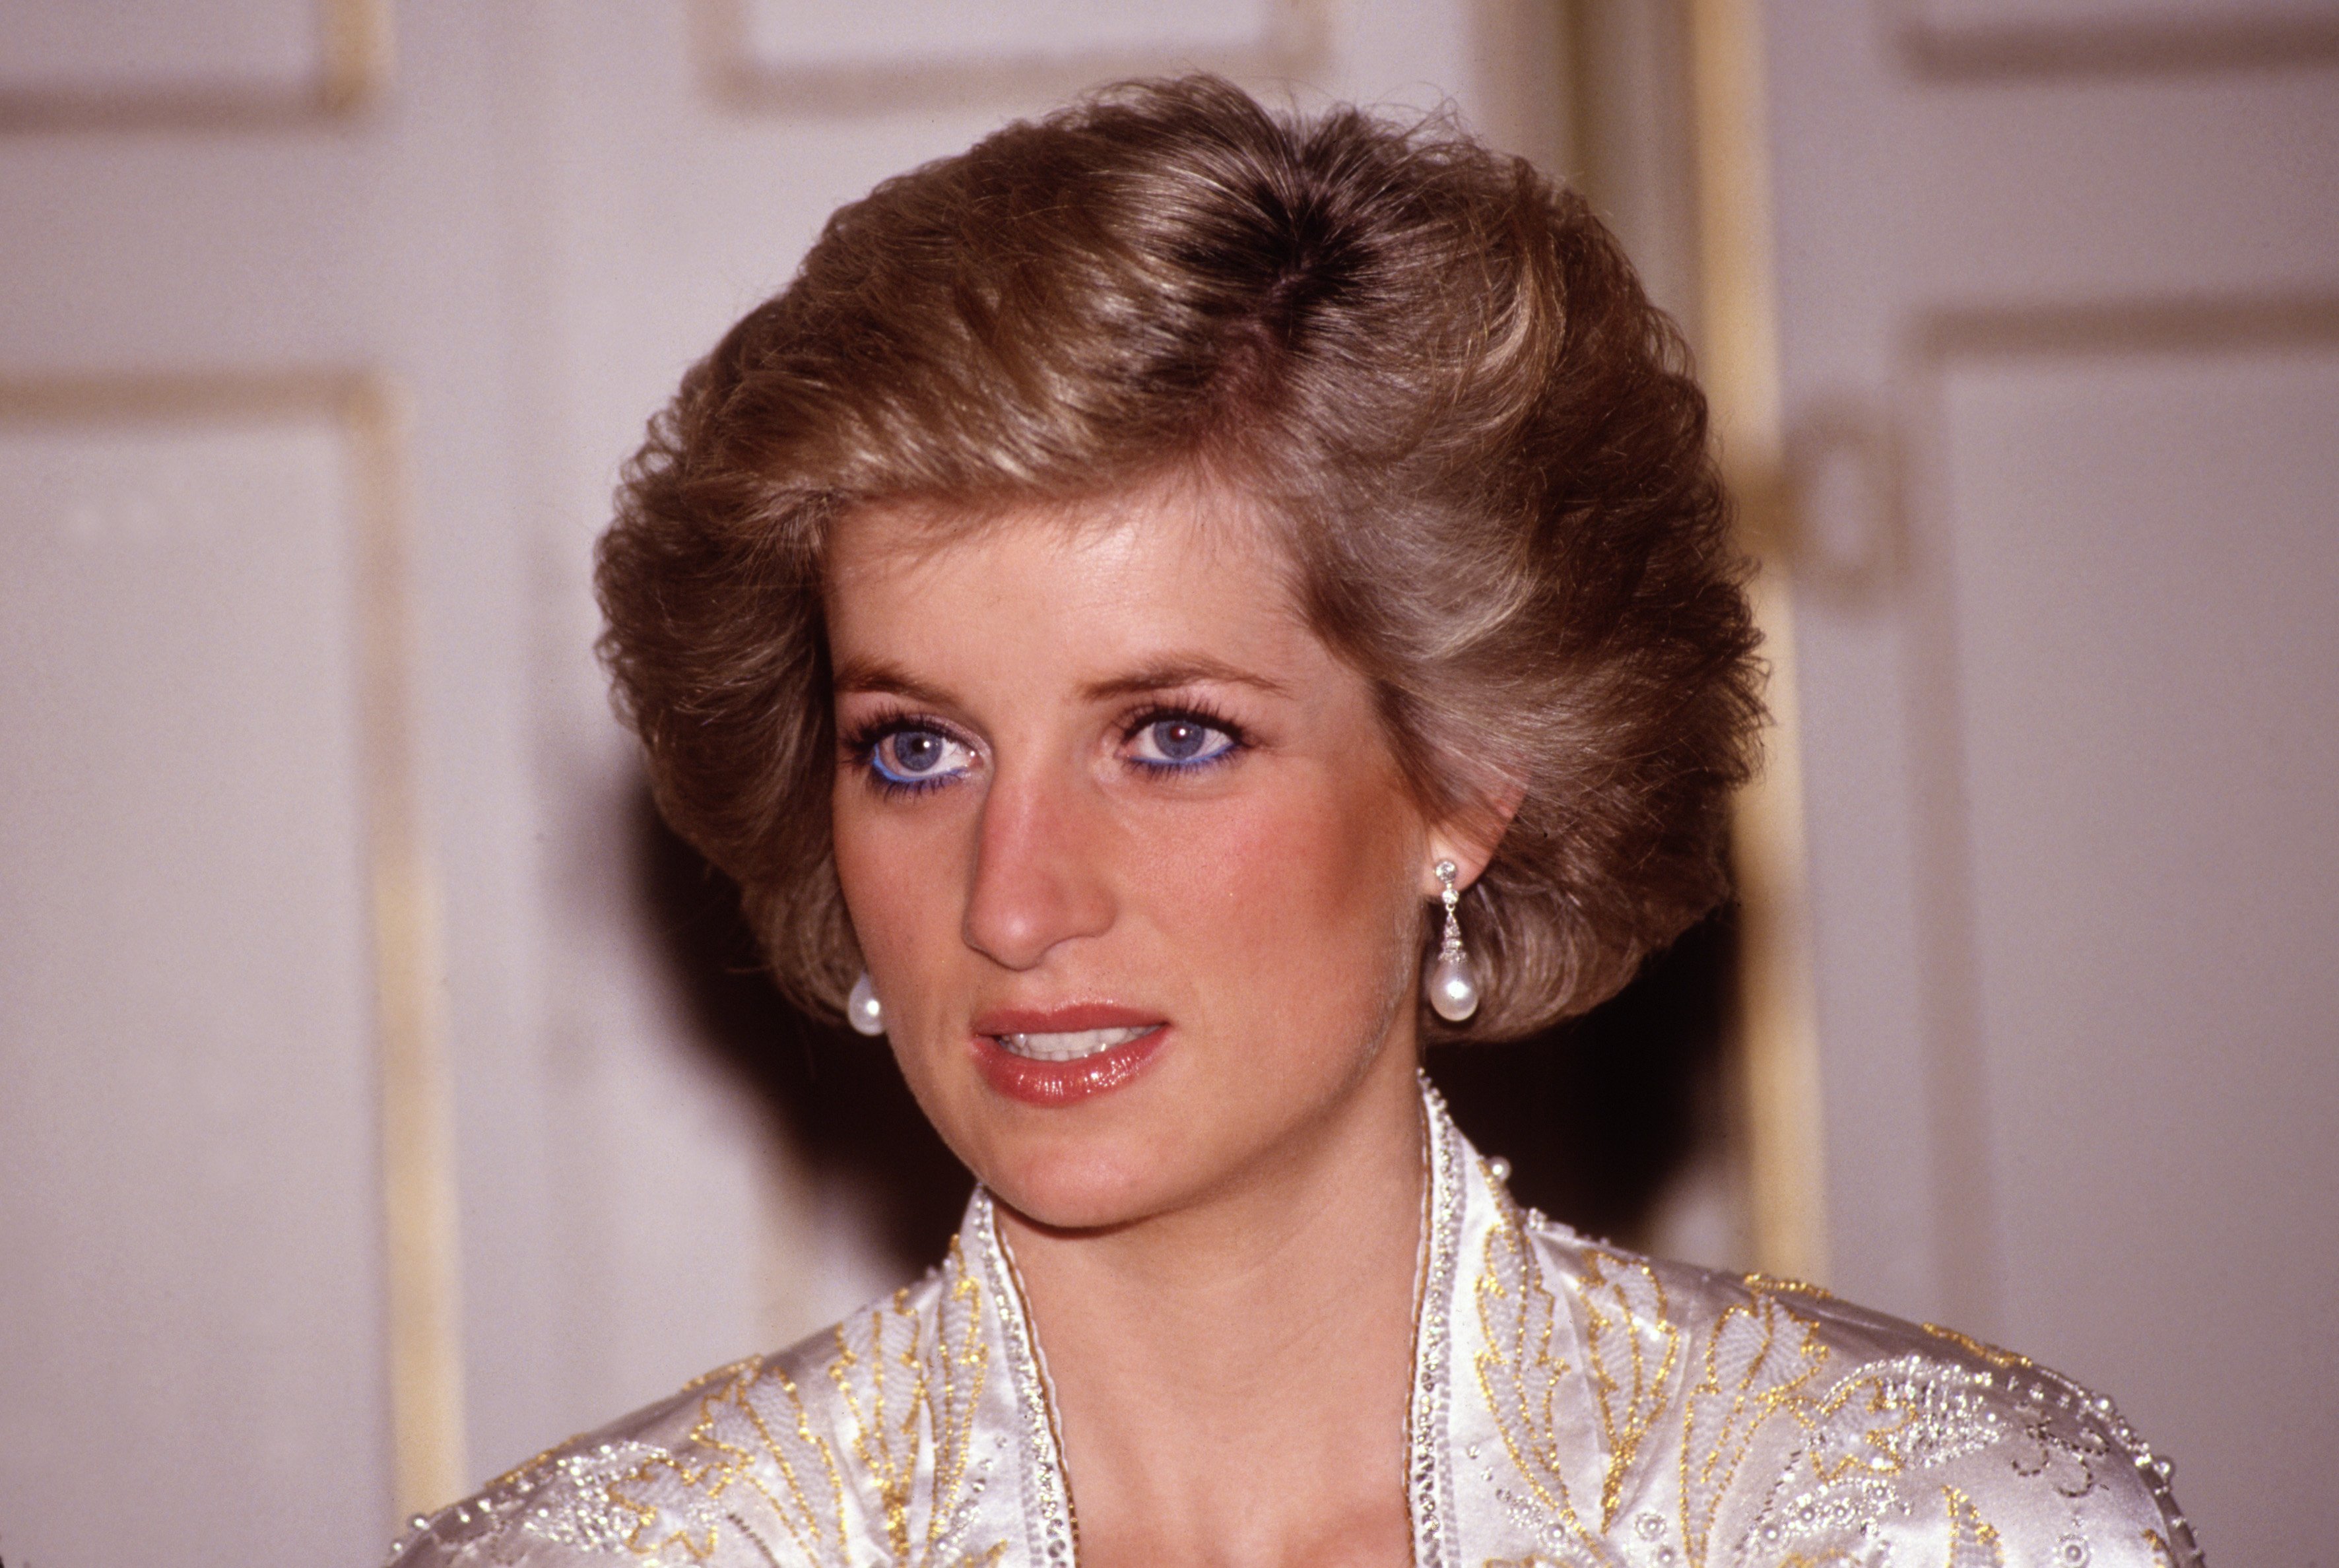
(1573, 1406)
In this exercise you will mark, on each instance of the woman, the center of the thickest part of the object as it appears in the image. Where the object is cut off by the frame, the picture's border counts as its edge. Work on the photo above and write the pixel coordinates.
(1172, 610)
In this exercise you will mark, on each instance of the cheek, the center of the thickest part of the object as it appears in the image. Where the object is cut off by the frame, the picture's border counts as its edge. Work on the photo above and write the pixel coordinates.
(897, 871)
(1299, 899)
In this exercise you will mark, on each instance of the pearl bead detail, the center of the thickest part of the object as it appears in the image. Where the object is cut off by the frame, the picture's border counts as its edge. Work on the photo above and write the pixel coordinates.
(1453, 990)
(862, 1009)
(1453, 984)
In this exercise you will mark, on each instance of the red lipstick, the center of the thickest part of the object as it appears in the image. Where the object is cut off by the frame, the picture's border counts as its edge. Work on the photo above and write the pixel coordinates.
(1050, 1084)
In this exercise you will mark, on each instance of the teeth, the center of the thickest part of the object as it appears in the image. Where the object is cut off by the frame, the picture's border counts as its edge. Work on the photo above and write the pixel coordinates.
(1070, 1046)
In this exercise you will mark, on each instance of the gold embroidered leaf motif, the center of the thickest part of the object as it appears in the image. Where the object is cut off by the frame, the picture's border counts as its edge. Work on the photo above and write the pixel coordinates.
(679, 1507)
(751, 1444)
(1859, 1442)
(1633, 1346)
(882, 1379)
(1758, 1358)
(759, 1428)
(726, 1374)
(1520, 1378)
(908, 1384)
(1973, 1540)
(960, 1362)
(1516, 1371)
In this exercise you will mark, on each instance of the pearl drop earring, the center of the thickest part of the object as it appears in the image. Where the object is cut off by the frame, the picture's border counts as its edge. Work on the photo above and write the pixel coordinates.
(1453, 984)
(862, 1010)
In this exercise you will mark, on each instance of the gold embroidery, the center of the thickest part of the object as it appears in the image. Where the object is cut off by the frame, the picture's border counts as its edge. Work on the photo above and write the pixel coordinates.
(759, 1417)
(677, 1501)
(1625, 1311)
(1760, 1283)
(1759, 1356)
(1516, 1371)
(1519, 1375)
(747, 1367)
(1973, 1540)
(890, 1385)
(1784, 1460)
(655, 1504)
(1840, 1449)
(755, 1438)
(678, 1506)
(884, 1441)
(960, 1363)
(2005, 1360)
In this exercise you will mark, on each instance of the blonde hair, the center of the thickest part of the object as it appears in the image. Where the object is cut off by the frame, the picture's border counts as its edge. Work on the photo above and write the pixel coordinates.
(1432, 366)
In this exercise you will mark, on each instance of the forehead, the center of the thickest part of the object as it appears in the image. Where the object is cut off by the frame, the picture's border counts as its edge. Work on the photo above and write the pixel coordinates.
(1082, 586)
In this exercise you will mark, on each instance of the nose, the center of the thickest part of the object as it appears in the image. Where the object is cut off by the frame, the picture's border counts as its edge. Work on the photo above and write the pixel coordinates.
(1039, 876)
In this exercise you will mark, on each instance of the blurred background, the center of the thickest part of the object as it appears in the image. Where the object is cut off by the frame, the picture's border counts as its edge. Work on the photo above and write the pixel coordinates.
(385, 1096)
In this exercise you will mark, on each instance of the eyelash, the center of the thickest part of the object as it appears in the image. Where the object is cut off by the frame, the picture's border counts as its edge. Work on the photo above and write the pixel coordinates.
(1237, 742)
(861, 746)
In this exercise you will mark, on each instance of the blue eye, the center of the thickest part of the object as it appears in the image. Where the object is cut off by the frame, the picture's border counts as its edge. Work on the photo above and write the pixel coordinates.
(1180, 740)
(919, 757)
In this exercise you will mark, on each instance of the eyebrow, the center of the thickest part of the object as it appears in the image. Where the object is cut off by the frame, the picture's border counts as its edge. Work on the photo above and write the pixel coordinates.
(1186, 670)
(876, 676)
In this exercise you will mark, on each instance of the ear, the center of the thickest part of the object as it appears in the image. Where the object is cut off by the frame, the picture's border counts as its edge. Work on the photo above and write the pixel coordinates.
(1469, 837)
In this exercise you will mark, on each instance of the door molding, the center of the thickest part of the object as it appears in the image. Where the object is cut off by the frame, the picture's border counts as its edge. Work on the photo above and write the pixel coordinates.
(1293, 44)
(423, 1351)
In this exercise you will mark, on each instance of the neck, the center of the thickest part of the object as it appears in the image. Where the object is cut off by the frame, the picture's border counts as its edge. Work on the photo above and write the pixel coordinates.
(1232, 1377)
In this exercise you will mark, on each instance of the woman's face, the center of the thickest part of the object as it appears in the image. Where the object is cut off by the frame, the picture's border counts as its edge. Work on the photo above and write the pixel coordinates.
(1133, 866)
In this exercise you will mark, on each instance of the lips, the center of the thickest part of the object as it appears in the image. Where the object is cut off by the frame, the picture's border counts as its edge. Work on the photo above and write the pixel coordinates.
(1061, 1056)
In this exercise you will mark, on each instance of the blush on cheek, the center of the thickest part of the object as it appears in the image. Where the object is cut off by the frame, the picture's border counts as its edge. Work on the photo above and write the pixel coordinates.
(1296, 897)
(902, 875)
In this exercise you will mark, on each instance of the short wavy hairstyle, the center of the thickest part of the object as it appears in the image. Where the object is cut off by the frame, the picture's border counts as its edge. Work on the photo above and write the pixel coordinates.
(1431, 368)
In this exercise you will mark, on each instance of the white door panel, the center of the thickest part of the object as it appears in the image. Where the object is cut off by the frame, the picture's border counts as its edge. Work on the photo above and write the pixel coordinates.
(2150, 724)
(2067, 744)
(190, 1147)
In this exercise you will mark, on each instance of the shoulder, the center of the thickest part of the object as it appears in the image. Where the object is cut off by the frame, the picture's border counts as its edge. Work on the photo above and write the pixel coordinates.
(1800, 1425)
(746, 1467)
(589, 1499)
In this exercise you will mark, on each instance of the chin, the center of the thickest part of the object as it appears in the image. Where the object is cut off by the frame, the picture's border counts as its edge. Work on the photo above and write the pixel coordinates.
(1095, 1167)
(1149, 1156)
(1076, 1184)
(1076, 1143)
